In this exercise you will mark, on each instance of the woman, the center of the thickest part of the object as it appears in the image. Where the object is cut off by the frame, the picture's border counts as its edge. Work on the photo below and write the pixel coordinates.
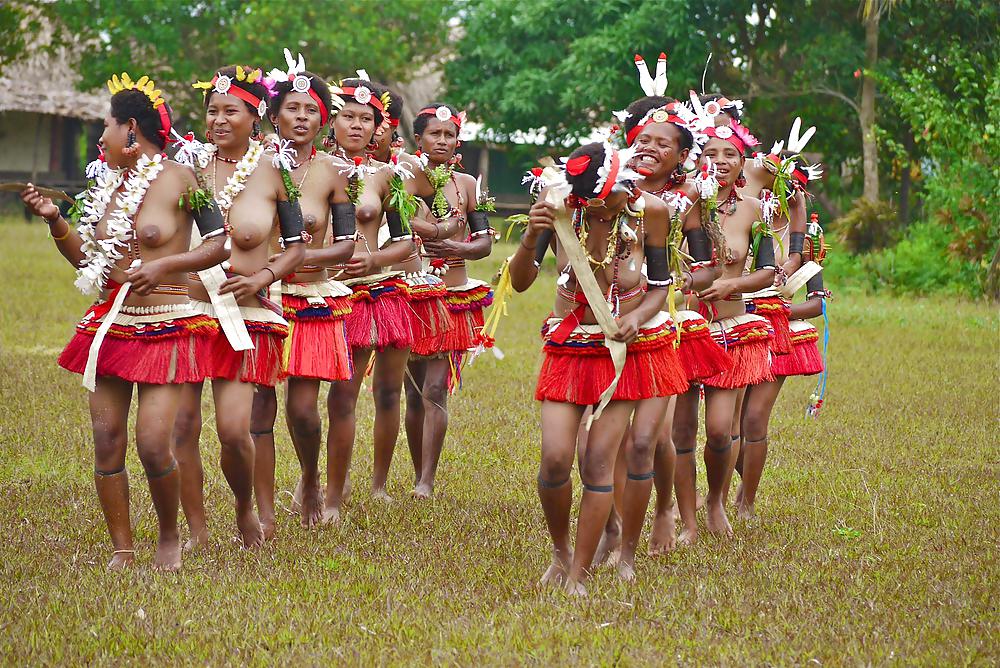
(246, 353)
(744, 337)
(460, 232)
(131, 250)
(802, 360)
(379, 324)
(618, 228)
(314, 304)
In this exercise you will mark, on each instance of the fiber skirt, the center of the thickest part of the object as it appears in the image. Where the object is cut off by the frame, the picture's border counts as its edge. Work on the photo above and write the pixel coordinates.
(427, 305)
(804, 358)
(465, 305)
(380, 314)
(746, 340)
(155, 345)
(316, 346)
(775, 309)
(580, 369)
(698, 352)
(261, 365)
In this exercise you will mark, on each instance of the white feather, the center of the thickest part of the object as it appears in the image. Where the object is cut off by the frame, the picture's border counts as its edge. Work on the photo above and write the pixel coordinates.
(660, 83)
(363, 74)
(645, 81)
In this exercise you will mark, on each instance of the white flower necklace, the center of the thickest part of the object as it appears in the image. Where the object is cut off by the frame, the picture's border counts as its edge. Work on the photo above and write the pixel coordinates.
(100, 255)
(238, 181)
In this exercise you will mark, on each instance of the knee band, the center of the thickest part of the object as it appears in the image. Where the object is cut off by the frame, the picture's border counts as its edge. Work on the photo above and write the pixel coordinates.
(759, 440)
(262, 433)
(726, 448)
(164, 473)
(107, 474)
(683, 451)
(545, 484)
(641, 476)
(599, 489)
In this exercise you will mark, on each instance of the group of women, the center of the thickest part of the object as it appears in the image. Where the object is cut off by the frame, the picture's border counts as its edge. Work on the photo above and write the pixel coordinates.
(677, 261)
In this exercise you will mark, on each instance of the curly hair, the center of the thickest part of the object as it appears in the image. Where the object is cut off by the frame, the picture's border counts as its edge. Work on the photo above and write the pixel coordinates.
(126, 104)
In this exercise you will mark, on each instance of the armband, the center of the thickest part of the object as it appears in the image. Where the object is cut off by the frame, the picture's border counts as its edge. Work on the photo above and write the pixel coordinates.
(657, 269)
(795, 241)
(345, 223)
(814, 287)
(396, 231)
(542, 246)
(479, 223)
(209, 220)
(699, 247)
(290, 222)
(765, 254)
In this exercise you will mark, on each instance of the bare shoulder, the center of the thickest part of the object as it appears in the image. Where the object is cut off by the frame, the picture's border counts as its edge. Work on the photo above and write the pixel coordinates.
(175, 177)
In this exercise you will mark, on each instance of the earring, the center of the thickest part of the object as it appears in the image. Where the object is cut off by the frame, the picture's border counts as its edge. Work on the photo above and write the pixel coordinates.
(256, 134)
(741, 180)
(132, 147)
(329, 141)
(678, 177)
(208, 137)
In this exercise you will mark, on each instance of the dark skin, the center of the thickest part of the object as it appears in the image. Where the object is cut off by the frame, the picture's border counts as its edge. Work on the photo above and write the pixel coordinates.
(720, 404)
(163, 231)
(560, 421)
(427, 386)
(354, 126)
(253, 221)
(321, 184)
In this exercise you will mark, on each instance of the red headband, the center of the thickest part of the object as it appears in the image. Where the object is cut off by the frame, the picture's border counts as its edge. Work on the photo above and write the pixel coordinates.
(236, 91)
(735, 134)
(164, 122)
(433, 111)
(612, 175)
(373, 100)
(655, 118)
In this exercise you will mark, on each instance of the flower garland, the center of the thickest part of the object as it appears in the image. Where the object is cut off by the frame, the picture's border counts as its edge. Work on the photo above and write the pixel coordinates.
(238, 181)
(101, 254)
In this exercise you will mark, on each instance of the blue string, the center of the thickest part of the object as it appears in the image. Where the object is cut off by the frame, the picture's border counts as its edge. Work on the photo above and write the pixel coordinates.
(821, 383)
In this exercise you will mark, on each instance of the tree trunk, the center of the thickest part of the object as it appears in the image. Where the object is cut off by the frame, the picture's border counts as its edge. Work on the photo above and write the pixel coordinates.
(868, 144)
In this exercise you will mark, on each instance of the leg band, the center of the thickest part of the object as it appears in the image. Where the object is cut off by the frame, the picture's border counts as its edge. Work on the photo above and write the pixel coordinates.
(641, 476)
(684, 451)
(164, 473)
(262, 433)
(600, 489)
(726, 448)
(759, 440)
(545, 484)
(105, 474)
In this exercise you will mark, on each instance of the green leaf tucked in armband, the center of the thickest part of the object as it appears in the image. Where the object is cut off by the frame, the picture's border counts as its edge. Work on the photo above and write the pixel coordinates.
(515, 221)
(402, 201)
(355, 186)
(196, 199)
(290, 188)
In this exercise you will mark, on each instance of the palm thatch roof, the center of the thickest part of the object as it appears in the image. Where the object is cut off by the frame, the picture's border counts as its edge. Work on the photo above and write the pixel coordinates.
(46, 83)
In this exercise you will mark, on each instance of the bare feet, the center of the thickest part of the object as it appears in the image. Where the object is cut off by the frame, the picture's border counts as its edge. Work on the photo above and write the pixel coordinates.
(268, 526)
(381, 495)
(688, 537)
(331, 515)
(739, 496)
(717, 521)
(555, 574)
(250, 528)
(348, 488)
(423, 491)
(121, 560)
(609, 548)
(297, 497)
(576, 589)
(626, 572)
(744, 512)
(198, 540)
(662, 540)
(699, 503)
(310, 506)
(168, 554)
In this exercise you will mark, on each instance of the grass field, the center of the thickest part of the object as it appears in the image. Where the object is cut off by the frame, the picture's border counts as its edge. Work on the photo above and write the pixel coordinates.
(876, 541)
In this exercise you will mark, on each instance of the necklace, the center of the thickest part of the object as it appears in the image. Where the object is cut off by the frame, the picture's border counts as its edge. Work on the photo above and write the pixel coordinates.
(101, 254)
(582, 226)
(231, 161)
(238, 181)
(308, 163)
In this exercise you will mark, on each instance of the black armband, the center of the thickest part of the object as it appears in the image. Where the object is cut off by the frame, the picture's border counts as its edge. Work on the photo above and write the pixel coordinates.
(290, 222)
(699, 245)
(542, 246)
(345, 222)
(396, 231)
(657, 269)
(209, 220)
(795, 241)
(765, 254)
(479, 223)
(814, 287)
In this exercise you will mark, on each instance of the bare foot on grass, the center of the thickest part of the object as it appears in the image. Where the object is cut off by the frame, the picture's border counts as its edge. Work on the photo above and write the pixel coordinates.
(717, 521)
(663, 539)
(121, 560)
(331, 515)
(197, 541)
(422, 491)
(381, 495)
(609, 547)
(626, 572)
(250, 529)
(168, 554)
(311, 506)
(688, 537)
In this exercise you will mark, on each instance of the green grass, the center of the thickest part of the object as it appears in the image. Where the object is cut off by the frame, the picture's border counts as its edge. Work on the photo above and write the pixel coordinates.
(876, 541)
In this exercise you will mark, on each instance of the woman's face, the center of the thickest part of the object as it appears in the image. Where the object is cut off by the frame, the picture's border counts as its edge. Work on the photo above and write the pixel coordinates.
(725, 157)
(658, 150)
(115, 138)
(299, 118)
(230, 122)
(353, 126)
(439, 140)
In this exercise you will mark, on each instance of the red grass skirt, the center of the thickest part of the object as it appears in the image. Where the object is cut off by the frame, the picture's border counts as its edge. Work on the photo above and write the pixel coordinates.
(261, 365)
(746, 339)
(700, 356)
(427, 305)
(776, 310)
(316, 346)
(805, 358)
(580, 369)
(145, 346)
(465, 312)
(380, 314)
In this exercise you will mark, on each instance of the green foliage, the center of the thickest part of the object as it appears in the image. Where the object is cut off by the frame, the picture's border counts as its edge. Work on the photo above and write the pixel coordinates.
(867, 226)
(402, 201)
